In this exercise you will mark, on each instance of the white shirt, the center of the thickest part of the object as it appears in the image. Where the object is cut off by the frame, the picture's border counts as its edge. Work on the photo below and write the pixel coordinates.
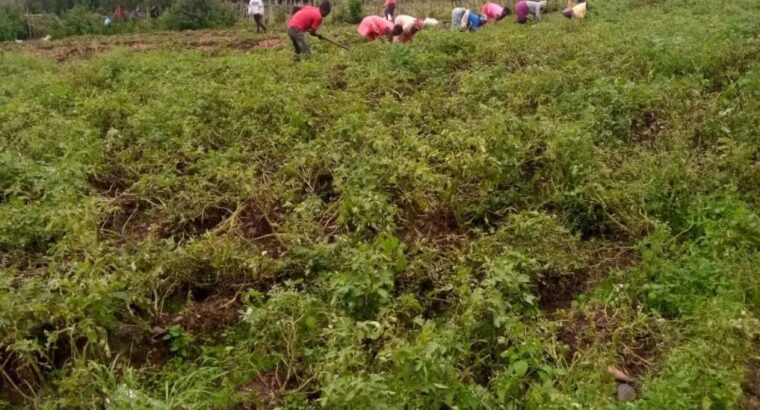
(255, 7)
(406, 22)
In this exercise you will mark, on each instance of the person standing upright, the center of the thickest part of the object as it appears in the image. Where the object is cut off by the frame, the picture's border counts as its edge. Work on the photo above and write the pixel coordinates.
(390, 9)
(256, 9)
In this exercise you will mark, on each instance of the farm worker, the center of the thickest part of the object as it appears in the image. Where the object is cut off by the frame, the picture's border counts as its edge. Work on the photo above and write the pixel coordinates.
(308, 18)
(456, 17)
(374, 27)
(473, 21)
(107, 22)
(409, 25)
(525, 8)
(495, 12)
(256, 9)
(576, 10)
(390, 9)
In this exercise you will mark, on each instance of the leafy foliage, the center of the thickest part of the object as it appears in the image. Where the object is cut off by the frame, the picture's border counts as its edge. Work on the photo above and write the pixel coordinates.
(461, 221)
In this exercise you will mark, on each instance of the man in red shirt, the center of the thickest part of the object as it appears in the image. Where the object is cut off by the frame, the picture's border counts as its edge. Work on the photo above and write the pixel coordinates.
(308, 18)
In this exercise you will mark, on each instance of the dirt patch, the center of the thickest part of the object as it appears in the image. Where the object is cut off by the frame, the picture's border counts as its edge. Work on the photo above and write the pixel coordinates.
(581, 330)
(138, 347)
(646, 128)
(205, 317)
(557, 291)
(439, 228)
(636, 346)
(266, 387)
(256, 225)
(271, 43)
(637, 353)
(127, 219)
(141, 46)
(751, 385)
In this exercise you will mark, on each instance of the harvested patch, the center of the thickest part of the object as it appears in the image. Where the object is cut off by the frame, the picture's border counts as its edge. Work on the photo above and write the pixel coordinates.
(751, 385)
(246, 44)
(138, 347)
(267, 388)
(440, 228)
(636, 345)
(257, 227)
(125, 218)
(637, 353)
(557, 291)
(581, 330)
(322, 185)
(207, 316)
(270, 43)
(141, 46)
(646, 128)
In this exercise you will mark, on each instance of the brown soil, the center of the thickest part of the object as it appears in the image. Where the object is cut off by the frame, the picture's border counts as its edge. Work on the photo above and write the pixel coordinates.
(751, 385)
(206, 317)
(78, 48)
(270, 43)
(439, 228)
(557, 291)
(266, 387)
(646, 128)
(637, 349)
(256, 227)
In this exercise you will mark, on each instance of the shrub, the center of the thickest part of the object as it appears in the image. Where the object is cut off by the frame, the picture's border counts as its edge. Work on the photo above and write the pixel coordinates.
(11, 23)
(78, 21)
(197, 14)
(355, 11)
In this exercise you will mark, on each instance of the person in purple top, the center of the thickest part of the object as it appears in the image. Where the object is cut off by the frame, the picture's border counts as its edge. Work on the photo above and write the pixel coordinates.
(524, 8)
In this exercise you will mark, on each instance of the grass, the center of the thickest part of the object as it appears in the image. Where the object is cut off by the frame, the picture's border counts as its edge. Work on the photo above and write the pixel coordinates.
(483, 220)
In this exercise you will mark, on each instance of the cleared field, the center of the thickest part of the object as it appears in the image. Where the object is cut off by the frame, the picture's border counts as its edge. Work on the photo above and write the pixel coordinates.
(500, 219)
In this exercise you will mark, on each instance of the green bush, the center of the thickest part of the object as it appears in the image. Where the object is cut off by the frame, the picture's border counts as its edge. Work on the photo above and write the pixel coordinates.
(11, 23)
(355, 12)
(78, 21)
(197, 14)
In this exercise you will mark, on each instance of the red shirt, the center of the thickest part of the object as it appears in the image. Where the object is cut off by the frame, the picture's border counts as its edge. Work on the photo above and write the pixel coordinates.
(308, 18)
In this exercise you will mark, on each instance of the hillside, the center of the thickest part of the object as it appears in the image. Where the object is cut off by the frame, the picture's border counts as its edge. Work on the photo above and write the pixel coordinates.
(472, 220)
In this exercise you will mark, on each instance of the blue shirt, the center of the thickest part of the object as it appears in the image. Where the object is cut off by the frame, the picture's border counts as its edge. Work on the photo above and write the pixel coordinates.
(474, 21)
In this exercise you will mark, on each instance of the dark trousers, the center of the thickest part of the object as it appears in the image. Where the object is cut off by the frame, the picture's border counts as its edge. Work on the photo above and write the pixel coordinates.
(258, 18)
(298, 38)
(390, 11)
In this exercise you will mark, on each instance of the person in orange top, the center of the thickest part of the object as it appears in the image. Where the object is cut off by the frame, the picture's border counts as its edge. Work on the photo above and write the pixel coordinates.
(373, 27)
(308, 18)
(390, 9)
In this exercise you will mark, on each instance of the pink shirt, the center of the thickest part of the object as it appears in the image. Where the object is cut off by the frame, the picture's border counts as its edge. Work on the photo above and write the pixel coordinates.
(373, 26)
(492, 11)
(308, 18)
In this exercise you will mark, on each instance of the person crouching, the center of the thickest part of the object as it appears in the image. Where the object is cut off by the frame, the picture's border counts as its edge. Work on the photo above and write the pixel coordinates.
(374, 27)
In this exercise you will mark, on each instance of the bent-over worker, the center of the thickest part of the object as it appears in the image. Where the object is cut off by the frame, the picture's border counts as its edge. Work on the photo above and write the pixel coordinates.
(307, 19)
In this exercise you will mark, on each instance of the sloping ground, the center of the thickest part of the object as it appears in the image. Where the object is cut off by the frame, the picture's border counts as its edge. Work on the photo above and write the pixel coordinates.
(208, 42)
(486, 220)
